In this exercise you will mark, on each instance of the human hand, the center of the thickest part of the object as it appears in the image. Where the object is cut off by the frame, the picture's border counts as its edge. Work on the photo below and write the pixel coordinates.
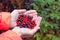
(24, 31)
(14, 16)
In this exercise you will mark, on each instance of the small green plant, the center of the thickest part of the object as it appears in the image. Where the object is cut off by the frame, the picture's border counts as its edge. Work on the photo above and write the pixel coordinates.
(49, 10)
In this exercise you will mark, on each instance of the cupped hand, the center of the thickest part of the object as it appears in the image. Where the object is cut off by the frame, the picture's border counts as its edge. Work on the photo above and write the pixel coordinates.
(26, 31)
(14, 16)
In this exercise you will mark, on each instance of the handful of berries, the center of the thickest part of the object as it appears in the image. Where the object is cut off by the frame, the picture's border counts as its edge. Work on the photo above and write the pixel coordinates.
(25, 21)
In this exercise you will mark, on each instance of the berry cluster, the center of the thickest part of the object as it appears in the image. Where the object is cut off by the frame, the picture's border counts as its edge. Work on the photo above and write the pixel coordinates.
(25, 21)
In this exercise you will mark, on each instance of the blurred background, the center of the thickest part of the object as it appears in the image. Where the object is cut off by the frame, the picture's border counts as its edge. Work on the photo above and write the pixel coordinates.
(49, 10)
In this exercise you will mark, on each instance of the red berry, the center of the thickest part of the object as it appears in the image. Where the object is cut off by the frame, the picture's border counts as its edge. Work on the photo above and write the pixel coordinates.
(25, 21)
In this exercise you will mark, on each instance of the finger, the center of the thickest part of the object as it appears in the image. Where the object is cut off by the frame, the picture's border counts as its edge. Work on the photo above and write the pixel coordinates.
(21, 31)
(22, 11)
(18, 11)
(34, 17)
(24, 31)
(31, 12)
(38, 20)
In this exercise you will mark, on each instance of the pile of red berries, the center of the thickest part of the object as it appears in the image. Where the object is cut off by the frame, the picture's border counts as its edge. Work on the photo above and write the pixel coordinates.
(25, 21)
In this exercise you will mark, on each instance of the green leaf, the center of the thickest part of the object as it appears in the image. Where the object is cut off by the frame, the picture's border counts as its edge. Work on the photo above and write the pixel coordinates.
(49, 1)
(37, 36)
(41, 2)
(35, 6)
